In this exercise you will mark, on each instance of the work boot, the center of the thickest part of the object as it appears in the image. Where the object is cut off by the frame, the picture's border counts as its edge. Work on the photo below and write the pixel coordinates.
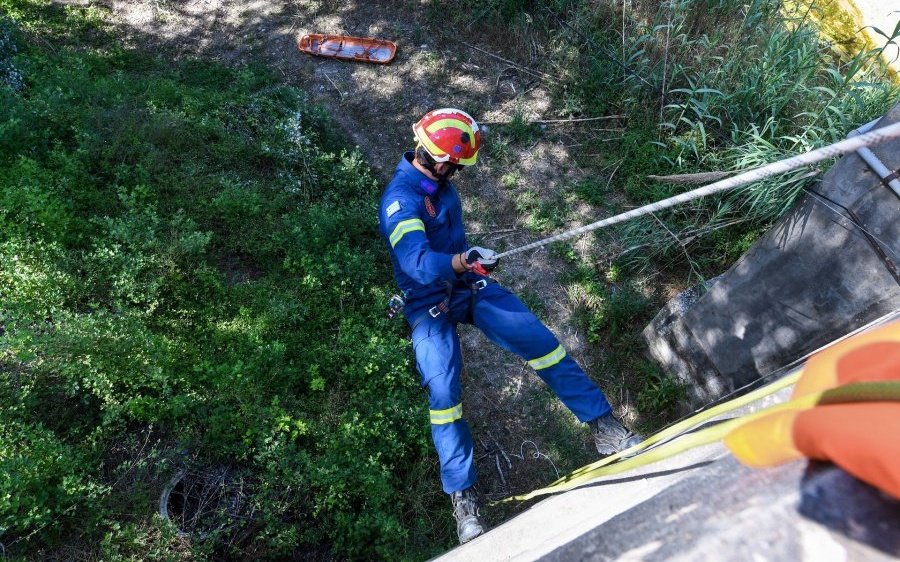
(465, 510)
(611, 436)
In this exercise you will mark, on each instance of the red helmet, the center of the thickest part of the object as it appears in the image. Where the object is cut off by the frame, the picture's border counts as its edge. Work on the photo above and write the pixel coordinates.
(449, 135)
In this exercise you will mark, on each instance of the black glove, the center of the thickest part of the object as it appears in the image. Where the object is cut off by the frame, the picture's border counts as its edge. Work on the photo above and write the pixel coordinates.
(481, 260)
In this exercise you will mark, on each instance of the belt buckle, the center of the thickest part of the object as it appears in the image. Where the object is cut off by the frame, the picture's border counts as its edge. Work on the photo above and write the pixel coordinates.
(434, 311)
(480, 284)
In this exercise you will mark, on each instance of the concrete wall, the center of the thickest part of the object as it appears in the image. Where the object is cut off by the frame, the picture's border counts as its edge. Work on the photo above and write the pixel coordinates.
(811, 279)
(703, 505)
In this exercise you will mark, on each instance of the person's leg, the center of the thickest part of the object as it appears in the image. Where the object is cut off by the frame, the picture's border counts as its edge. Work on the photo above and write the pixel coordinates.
(508, 323)
(439, 361)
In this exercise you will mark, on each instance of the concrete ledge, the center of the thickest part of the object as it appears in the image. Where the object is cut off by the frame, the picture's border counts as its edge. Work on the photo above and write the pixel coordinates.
(557, 521)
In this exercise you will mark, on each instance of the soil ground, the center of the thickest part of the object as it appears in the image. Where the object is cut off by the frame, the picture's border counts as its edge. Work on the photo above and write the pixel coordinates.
(524, 437)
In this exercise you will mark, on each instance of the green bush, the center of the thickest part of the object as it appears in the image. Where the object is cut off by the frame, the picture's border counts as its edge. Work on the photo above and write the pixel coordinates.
(621, 308)
(710, 86)
(44, 482)
(185, 247)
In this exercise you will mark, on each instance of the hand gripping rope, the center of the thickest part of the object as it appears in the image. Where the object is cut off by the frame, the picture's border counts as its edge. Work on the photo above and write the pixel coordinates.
(839, 148)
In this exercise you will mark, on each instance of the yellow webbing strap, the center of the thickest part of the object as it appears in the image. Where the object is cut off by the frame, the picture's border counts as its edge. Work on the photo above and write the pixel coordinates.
(881, 391)
(701, 417)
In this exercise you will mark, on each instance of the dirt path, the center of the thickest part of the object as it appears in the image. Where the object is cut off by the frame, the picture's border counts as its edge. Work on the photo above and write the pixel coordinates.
(524, 434)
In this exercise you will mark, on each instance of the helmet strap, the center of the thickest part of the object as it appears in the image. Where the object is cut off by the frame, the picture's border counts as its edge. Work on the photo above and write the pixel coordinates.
(426, 160)
(429, 163)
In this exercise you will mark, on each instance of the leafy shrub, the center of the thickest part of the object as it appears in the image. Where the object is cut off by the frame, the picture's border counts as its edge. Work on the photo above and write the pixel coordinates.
(659, 393)
(519, 131)
(42, 480)
(186, 247)
(621, 308)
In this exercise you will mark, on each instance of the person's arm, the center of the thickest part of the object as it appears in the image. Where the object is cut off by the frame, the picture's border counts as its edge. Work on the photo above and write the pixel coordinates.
(405, 232)
(459, 262)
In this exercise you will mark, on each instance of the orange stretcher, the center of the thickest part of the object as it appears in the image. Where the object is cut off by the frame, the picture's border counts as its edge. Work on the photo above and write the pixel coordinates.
(344, 47)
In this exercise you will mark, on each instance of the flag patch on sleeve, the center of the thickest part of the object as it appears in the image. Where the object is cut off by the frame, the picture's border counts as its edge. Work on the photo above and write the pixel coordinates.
(393, 208)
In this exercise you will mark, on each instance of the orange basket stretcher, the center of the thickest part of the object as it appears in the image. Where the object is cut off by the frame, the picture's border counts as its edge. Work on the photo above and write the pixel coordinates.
(344, 47)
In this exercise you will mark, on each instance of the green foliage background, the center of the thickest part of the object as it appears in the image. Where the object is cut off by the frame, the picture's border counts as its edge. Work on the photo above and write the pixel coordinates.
(188, 259)
(187, 251)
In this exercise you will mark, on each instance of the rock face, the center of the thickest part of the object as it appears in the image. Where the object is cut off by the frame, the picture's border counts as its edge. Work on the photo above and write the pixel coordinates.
(824, 270)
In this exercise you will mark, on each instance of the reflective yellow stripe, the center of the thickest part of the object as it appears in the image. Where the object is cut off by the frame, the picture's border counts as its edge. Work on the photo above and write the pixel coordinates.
(441, 124)
(450, 415)
(444, 123)
(432, 148)
(404, 227)
(548, 360)
(468, 161)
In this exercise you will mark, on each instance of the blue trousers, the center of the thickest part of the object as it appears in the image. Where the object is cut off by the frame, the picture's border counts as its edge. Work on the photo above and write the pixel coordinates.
(508, 323)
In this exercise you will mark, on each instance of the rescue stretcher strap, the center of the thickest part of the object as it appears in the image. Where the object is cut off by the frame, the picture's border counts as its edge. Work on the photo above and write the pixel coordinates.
(881, 391)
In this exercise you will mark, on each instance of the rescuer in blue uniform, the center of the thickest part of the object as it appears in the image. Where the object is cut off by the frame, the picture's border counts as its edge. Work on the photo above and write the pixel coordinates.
(446, 282)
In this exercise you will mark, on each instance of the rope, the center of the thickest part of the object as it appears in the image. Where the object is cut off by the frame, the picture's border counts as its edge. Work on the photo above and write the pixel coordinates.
(880, 391)
(839, 148)
(875, 243)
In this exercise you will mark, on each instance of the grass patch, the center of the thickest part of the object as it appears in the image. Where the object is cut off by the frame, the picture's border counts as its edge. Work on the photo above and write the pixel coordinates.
(520, 132)
(535, 304)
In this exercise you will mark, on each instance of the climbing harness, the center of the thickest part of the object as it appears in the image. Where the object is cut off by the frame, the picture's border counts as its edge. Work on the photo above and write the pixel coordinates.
(396, 302)
(395, 306)
(839, 148)
(473, 293)
(436, 310)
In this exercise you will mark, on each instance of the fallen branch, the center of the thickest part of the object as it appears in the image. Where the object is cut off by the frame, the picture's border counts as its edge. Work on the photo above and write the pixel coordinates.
(609, 181)
(499, 231)
(522, 67)
(335, 86)
(502, 452)
(702, 177)
(558, 121)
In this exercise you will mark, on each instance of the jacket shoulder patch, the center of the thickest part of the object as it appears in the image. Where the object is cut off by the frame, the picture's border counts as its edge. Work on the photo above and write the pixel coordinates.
(429, 207)
(392, 208)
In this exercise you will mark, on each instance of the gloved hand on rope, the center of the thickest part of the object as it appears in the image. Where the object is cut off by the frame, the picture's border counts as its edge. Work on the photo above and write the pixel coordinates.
(480, 260)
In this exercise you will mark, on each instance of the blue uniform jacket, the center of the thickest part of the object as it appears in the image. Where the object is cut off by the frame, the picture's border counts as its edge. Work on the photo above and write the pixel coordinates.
(423, 232)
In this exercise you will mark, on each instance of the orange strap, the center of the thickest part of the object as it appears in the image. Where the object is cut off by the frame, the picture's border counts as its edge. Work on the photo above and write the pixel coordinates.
(868, 357)
(861, 438)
